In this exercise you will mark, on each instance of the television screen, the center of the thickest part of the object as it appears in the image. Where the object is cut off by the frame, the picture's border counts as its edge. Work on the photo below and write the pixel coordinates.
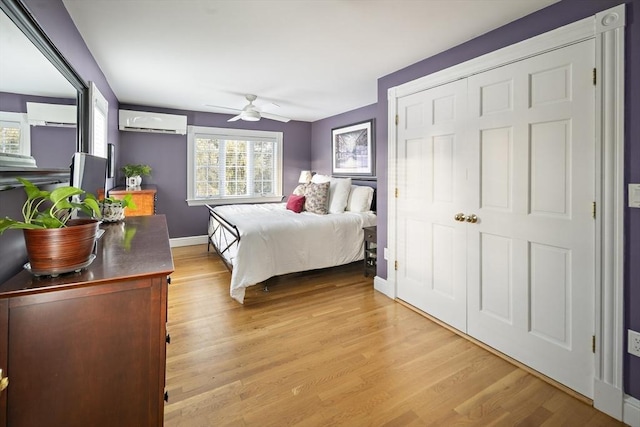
(89, 173)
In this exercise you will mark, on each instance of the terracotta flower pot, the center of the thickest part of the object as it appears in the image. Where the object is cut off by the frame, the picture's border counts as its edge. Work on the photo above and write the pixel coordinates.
(60, 250)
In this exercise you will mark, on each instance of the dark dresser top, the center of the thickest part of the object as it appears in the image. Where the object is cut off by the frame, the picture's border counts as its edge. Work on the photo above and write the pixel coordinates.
(134, 248)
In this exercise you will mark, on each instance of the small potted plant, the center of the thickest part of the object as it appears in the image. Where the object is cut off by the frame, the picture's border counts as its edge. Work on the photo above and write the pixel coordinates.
(113, 209)
(55, 241)
(134, 173)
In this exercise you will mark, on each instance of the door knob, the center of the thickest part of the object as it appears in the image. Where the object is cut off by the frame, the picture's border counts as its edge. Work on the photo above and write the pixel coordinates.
(472, 218)
(459, 217)
(4, 381)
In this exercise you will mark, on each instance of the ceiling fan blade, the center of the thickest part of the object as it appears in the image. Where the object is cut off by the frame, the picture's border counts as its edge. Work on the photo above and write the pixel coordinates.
(275, 117)
(233, 119)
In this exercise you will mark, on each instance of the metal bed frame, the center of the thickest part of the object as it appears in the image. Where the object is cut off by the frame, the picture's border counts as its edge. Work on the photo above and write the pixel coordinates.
(222, 242)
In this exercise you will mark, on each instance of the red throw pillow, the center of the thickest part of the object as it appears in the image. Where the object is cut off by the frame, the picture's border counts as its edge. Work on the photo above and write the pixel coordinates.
(295, 203)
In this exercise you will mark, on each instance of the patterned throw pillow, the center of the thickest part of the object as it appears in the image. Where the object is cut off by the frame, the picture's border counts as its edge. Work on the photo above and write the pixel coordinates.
(317, 198)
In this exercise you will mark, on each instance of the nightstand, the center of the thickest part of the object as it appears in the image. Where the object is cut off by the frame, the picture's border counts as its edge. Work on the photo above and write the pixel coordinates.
(144, 197)
(370, 250)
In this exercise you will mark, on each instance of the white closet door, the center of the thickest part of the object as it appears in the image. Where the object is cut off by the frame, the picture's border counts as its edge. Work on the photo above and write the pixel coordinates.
(431, 246)
(531, 253)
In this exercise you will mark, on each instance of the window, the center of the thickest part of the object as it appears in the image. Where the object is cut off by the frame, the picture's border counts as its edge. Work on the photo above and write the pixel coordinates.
(233, 166)
(98, 121)
(15, 135)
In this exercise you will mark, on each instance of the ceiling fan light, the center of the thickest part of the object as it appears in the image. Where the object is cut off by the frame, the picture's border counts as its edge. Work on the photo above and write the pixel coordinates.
(250, 116)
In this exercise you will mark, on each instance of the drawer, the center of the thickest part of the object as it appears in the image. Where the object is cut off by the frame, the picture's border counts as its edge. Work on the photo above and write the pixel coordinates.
(370, 234)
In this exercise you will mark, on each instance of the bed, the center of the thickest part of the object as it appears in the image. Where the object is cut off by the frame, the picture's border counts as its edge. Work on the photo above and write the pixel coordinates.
(259, 241)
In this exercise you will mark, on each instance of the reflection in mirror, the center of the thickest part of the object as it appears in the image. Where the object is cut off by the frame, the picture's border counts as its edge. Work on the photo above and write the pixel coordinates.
(27, 81)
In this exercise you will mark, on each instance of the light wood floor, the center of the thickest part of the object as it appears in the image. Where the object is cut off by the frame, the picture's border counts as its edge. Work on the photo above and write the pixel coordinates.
(324, 349)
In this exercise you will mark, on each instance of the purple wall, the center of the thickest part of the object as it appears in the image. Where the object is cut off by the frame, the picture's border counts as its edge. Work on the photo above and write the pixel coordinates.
(17, 102)
(53, 147)
(547, 19)
(167, 155)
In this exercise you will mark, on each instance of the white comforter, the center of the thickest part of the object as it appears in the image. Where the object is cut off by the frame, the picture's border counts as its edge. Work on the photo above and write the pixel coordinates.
(274, 241)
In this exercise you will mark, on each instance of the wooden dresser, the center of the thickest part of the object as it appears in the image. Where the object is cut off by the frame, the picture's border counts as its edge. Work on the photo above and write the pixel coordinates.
(145, 198)
(88, 348)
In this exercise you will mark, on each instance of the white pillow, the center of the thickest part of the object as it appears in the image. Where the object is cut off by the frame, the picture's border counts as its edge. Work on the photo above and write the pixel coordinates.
(339, 190)
(319, 179)
(360, 198)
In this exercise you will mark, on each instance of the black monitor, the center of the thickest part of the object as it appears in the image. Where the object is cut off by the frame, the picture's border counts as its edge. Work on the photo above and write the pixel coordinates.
(89, 173)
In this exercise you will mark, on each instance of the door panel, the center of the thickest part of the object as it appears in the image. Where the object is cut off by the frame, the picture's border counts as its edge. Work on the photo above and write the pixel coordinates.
(535, 234)
(497, 282)
(432, 181)
(496, 149)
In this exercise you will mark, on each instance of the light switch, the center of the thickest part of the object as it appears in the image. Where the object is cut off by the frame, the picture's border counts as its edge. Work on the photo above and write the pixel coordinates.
(634, 195)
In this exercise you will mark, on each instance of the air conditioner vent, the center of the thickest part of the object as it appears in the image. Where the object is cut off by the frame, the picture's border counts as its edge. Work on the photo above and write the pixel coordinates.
(142, 121)
(39, 114)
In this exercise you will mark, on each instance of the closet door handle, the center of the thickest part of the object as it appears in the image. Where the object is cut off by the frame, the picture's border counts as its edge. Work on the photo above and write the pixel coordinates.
(472, 218)
(459, 217)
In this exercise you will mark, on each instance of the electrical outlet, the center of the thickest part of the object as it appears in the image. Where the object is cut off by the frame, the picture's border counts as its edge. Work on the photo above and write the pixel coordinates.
(634, 342)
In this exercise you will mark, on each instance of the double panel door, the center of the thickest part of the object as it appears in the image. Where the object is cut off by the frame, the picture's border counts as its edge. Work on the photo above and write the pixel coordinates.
(496, 185)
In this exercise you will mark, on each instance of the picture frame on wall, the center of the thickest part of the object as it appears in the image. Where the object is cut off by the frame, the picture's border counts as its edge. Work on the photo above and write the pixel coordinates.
(353, 150)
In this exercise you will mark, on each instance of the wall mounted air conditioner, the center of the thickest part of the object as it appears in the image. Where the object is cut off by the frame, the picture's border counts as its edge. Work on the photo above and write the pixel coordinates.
(39, 114)
(141, 121)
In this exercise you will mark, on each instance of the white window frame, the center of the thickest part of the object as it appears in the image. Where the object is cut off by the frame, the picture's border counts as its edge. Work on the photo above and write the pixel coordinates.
(22, 122)
(229, 133)
(99, 110)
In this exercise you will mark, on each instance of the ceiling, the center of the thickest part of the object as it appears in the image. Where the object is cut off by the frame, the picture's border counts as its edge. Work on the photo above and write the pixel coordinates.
(313, 58)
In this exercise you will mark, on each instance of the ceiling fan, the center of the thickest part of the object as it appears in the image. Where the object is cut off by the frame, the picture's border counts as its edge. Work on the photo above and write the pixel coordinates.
(251, 113)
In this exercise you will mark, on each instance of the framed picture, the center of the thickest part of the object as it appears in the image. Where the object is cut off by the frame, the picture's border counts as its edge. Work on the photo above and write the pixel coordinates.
(353, 150)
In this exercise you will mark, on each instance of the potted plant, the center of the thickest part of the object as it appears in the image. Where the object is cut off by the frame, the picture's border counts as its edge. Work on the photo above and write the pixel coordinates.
(113, 209)
(134, 173)
(55, 241)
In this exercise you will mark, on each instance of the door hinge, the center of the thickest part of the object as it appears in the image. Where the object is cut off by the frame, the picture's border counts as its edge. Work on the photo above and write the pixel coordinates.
(395, 265)
(594, 76)
(593, 210)
(396, 193)
(593, 343)
(397, 120)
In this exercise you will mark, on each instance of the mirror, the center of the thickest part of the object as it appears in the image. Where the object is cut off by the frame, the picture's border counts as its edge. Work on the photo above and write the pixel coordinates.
(33, 72)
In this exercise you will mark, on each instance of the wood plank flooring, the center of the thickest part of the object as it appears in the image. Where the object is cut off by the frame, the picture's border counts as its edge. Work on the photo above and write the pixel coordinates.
(324, 349)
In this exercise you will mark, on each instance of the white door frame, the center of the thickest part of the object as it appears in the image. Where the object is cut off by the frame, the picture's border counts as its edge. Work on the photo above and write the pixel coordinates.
(607, 28)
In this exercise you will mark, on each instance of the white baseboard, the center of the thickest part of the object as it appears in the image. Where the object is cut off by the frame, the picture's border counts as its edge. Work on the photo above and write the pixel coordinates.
(631, 411)
(384, 286)
(188, 241)
(608, 399)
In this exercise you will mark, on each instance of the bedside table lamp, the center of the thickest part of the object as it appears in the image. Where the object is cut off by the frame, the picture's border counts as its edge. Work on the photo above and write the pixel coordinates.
(305, 177)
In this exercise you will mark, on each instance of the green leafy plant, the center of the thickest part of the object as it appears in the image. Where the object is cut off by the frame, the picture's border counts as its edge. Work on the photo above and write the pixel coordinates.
(50, 209)
(126, 201)
(136, 170)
